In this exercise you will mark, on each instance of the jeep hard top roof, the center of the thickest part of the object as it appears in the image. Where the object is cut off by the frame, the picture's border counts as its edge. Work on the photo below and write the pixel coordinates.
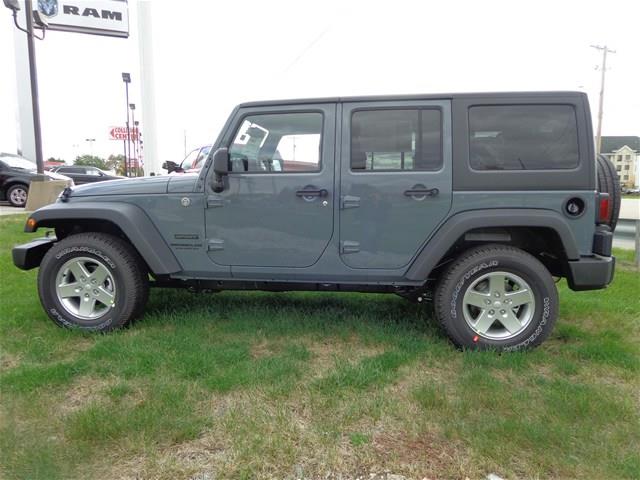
(439, 96)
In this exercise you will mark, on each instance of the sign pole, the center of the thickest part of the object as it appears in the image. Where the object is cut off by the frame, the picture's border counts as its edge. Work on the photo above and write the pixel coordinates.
(33, 77)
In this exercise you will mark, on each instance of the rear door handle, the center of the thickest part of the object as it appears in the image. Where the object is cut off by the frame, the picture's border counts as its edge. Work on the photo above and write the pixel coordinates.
(422, 192)
(312, 193)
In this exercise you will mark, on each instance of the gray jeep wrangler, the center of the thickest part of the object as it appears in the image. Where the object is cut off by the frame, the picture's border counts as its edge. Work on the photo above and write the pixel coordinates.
(474, 202)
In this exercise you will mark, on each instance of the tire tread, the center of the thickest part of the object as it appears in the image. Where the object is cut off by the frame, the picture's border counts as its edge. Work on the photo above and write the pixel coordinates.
(441, 300)
(132, 265)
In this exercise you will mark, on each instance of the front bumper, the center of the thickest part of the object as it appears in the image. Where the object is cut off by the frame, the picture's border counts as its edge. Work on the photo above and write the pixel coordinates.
(591, 273)
(29, 255)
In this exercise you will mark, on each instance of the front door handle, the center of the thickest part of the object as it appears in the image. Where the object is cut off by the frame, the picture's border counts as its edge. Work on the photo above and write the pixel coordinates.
(422, 192)
(312, 193)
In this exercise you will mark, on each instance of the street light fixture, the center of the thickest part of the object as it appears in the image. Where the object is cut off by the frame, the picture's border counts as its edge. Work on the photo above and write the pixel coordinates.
(126, 78)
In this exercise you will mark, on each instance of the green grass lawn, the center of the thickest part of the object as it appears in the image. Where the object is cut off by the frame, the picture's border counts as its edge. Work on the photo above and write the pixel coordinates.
(245, 385)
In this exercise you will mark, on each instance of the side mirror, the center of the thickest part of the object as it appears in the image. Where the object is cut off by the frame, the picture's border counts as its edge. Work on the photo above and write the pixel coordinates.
(220, 168)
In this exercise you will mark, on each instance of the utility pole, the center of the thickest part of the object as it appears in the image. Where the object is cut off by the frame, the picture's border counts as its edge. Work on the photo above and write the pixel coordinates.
(605, 50)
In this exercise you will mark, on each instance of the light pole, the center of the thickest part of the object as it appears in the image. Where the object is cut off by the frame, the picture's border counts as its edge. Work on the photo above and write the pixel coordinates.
(33, 73)
(136, 142)
(90, 140)
(126, 78)
(132, 133)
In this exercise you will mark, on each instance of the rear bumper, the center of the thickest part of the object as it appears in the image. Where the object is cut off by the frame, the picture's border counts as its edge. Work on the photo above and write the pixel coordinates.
(29, 255)
(591, 273)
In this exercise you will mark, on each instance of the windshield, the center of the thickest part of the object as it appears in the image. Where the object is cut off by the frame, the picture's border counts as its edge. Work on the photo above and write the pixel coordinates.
(17, 162)
(189, 159)
(201, 157)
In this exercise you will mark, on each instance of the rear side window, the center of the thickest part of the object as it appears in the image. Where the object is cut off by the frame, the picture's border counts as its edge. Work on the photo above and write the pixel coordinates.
(72, 170)
(523, 137)
(390, 140)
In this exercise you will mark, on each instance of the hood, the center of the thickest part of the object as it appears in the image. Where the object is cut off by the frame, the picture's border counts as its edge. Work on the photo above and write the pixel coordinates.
(126, 186)
(183, 183)
(56, 176)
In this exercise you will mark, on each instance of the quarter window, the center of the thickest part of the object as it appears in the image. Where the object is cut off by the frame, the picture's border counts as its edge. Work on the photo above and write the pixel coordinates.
(389, 140)
(285, 142)
(523, 137)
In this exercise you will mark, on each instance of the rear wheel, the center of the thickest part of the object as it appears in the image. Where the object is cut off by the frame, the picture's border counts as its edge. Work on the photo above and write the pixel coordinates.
(93, 281)
(17, 195)
(608, 182)
(497, 297)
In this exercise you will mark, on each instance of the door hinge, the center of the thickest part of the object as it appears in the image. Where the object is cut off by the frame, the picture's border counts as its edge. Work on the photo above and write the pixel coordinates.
(349, 201)
(214, 201)
(215, 244)
(348, 246)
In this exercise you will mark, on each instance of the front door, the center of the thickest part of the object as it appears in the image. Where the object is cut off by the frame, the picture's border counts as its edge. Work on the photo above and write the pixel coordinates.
(277, 206)
(395, 185)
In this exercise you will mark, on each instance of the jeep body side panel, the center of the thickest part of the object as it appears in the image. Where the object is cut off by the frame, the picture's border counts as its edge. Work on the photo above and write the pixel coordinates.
(132, 220)
(583, 226)
(582, 177)
(458, 224)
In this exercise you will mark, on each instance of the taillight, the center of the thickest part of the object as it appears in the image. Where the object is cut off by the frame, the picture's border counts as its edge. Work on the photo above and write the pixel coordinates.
(603, 208)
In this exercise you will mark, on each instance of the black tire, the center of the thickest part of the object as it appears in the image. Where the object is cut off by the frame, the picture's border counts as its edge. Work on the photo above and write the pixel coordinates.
(17, 194)
(608, 182)
(127, 280)
(474, 265)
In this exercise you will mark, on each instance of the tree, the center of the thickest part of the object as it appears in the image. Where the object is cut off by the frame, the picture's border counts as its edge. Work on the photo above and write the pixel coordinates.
(116, 163)
(91, 161)
(55, 160)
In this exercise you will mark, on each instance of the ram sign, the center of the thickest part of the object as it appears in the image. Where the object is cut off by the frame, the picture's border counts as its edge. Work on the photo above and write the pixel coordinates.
(98, 17)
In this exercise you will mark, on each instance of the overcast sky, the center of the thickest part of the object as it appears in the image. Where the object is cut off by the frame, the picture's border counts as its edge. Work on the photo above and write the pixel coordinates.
(210, 56)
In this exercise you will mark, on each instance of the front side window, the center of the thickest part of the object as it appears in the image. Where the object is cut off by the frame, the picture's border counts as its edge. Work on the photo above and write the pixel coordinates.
(390, 140)
(523, 137)
(283, 142)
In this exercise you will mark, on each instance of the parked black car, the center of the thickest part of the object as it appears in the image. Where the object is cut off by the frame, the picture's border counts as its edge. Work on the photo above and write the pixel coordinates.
(16, 173)
(81, 174)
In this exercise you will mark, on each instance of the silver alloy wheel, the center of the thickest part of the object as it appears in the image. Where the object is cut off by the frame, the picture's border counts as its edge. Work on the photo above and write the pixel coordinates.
(498, 305)
(85, 288)
(18, 196)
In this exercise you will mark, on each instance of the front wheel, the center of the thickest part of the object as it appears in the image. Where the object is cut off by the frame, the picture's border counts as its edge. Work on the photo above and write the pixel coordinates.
(497, 297)
(92, 281)
(17, 195)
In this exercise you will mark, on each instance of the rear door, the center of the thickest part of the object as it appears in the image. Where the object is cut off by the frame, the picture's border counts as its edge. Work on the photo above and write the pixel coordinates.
(395, 185)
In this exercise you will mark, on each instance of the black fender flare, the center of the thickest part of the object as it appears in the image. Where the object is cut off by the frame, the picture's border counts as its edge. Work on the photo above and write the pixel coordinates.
(131, 219)
(457, 225)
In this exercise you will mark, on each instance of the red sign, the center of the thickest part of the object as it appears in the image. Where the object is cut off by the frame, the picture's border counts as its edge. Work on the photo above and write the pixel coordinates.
(120, 133)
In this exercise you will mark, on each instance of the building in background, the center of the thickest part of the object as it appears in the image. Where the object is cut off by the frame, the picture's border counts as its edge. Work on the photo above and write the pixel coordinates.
(624, 152)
